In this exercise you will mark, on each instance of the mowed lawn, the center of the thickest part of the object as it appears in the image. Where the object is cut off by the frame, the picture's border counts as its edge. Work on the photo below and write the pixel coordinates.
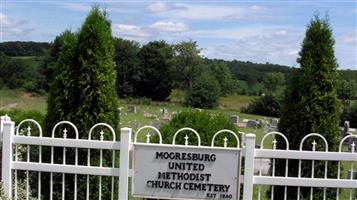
(18, 99)
(235, 102)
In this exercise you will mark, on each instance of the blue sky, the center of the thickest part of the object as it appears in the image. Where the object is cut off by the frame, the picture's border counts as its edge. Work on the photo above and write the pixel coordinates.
(257, 31)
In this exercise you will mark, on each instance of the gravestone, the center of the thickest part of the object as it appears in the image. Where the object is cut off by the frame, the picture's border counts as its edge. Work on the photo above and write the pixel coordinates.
(156, 124)
(234, 119)
(252, 124)
(274, 123)
(132, 109)
(163, 111)
(346, 126)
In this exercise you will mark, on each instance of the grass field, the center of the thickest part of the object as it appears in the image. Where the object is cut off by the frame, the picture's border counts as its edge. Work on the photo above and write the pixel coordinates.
(235, 102)
(18, 99)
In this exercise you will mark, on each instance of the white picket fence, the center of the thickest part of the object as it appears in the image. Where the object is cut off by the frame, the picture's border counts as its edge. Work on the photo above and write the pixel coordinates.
(12, 137)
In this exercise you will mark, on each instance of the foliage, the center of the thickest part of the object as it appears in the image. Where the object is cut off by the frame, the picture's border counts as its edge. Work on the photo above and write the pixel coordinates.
(128, 68)
(346, 91)
(17, 115)
(187, 64)
(156, 60)
(251, 72)
(311, 104)
(221, 72)
(204, 123)
(205, 92)
(51, 58)
(84, 88)
(273, 81)
(16, 73)
(177, 96)
(96, 97)
(267, 105)
(20, 48)
(21, 192)
(60, 101)
(350, 114)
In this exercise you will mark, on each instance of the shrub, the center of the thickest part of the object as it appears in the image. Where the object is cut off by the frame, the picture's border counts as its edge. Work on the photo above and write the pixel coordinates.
(205, 123)
(17, 115)
(177, 96)
(205, 92)
(268, 105)
(21, 192)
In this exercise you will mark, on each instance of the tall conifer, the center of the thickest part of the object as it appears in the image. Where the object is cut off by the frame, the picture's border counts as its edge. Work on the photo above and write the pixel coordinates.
(311, 106)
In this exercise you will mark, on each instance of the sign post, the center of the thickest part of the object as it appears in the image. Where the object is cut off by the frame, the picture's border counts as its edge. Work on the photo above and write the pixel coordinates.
(185, 172)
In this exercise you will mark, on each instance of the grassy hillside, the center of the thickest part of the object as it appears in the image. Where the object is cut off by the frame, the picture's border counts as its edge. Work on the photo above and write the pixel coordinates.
(18, 99)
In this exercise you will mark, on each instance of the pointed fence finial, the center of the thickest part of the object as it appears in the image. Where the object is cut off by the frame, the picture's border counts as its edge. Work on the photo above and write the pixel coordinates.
(353, 147)
(274, 144)
(314, 145)
(28, 131)
(65, 133)
(148, 138)
(225, 141)
(186, 140)
(101, 135)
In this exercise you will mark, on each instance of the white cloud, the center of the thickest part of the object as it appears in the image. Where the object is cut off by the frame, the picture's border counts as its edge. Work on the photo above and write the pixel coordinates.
(256, 7)
(274, 44)
(206, 11)
(158, 7)
(12, 27)
(169, 26)
(131, 32)
(76, 6)
(201, 11)
(281, 33)
(350, 38)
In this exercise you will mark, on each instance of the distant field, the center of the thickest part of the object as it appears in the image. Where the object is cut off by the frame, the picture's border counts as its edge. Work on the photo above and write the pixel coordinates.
(32, 61)
(235, 102)
(18, 99)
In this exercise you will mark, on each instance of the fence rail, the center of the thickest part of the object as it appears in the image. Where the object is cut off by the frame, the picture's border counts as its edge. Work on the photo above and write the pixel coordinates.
(119, 163)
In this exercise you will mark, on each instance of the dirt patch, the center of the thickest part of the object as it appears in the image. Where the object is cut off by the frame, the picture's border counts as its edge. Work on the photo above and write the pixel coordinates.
(27, 95)
(9, 106)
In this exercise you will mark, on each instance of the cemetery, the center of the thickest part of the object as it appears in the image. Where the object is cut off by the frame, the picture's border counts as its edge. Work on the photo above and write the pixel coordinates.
(177, 100)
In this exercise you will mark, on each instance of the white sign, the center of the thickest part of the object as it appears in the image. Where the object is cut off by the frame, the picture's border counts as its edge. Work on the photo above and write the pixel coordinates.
(185, 172)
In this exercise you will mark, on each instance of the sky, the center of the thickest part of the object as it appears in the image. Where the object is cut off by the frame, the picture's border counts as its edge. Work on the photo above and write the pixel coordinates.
(257, 31)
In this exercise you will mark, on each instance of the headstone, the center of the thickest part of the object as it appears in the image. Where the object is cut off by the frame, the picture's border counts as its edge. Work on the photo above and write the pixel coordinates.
(147, 114)
(163, 111)
(156, 124)
(132, 109)
(252, 124)
(274, 123)
(346, 126)
(349, 143)
(234, 119)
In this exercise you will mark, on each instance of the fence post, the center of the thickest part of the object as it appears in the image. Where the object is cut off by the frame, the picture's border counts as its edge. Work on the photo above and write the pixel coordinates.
(125, 143)
(6, 175)
(249, 166)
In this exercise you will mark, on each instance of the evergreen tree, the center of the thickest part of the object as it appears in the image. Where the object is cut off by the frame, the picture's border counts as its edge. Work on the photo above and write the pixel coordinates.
(96, 98)
(59, 101)
(84, 91)
(311, 105)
